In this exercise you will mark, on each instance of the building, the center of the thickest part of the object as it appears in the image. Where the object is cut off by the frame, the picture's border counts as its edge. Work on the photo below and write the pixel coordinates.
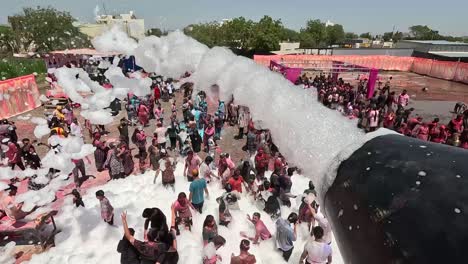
(436, 49)
(134, 27)
(289, 48)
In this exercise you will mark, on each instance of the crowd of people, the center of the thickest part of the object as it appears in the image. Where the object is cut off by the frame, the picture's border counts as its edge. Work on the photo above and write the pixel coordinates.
(183, 133)
(386, 108)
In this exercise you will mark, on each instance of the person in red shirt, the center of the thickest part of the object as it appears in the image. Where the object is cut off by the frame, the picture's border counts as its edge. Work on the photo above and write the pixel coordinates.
(441, 136)
(237, 181)
(456, 124)
(14, 156)
(261, 162)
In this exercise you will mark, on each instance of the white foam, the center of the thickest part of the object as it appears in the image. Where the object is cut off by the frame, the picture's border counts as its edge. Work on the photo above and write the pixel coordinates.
(85, 238)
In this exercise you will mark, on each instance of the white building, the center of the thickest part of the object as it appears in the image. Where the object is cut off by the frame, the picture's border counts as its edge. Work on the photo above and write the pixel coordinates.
(329, 23)
(134, 27)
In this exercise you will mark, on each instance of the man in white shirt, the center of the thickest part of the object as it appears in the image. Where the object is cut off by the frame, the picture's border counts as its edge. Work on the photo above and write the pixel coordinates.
(317, 251)
(205, 170)
(161, 132)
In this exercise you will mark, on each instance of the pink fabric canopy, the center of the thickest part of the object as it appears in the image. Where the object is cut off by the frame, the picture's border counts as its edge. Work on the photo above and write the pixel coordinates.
(18, 95)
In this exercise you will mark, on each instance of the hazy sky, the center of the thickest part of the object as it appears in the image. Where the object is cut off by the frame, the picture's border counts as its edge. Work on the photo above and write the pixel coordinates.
(377, 16)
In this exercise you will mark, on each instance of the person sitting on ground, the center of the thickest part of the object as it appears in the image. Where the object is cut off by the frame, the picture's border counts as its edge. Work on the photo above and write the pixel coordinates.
(244, 257)
(151, 251)
(181, 211)
(107, 211)
(128, 253)
(209, 251)
(157, 219)
(261, 231)
(317, 251)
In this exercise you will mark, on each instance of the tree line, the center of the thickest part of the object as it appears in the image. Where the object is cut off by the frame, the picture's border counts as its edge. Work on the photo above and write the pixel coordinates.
(46, 29)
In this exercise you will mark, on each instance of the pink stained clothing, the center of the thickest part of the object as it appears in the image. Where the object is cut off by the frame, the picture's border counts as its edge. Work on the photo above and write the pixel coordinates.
(107, 211)
(262, 230)
(403, 99)
(373, 118)
(182, 211)
(141, 137)
(457, 125)
(423, 133)
(12, 153)
(193, 164)
(143, 114)
(230, 163)
(158, 113)
(209, 132)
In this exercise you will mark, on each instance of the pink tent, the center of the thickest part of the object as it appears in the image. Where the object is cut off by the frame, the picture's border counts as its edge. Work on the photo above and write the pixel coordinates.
(18, 95)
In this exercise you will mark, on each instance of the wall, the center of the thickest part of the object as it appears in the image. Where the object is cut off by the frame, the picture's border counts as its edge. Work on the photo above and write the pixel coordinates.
(447, 70)
(367, 52)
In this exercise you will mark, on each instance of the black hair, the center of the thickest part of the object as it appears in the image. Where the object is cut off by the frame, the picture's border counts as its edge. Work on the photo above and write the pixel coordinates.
(228, 187)
(219, 241)
(292, 218)
(208, 159)
(132, 231)
(208, 219)
(147, 212)
(317, 232)
(100, 193)
(244, 245)
(257, 214)
(181, 195)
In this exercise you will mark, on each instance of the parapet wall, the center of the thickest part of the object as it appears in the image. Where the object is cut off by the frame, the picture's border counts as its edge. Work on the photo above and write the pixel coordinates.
(447, 70)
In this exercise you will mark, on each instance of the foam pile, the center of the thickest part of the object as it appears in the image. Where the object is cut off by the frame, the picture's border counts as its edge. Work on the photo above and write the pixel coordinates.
(85, 238)
(308, 134)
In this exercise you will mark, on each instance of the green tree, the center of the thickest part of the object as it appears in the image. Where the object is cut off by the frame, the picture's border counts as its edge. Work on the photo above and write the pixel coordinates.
(424, 33)
(314, 34)
(206, 33)
(7, 40)
(397, 36)
(46, 29)
(290, 35)
(387, 36)
(154, 32)
(351, 35)
(366, 35)
(267, 34)
(237, 33)
(334, 34)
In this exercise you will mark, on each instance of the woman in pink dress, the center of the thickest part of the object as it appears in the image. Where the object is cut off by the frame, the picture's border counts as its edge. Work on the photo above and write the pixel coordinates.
(143, 114)
(209, 132)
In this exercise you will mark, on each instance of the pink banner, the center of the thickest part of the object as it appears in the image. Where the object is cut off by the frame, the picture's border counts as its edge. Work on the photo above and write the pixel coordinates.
(292, 74)
(18, 95)
(448, 70)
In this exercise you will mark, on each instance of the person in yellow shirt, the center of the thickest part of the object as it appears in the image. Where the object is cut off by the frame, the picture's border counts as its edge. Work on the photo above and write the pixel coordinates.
(58, 113)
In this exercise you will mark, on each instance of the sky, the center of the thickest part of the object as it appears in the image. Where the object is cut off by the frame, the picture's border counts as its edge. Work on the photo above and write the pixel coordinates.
(449, 16)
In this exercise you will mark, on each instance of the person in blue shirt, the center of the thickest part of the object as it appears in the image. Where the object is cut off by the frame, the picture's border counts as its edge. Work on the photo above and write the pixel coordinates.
(197, 187)
(285, 235)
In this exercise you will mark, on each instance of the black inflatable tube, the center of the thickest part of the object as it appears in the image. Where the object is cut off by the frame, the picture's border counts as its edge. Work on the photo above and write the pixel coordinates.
(401, 200)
